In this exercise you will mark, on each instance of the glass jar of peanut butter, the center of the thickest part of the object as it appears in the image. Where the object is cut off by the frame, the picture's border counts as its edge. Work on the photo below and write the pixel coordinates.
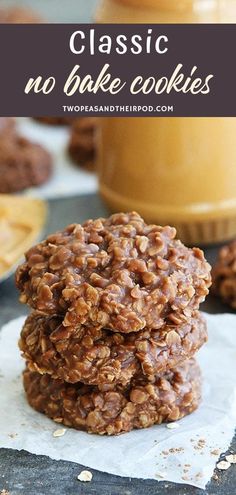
(178, 171)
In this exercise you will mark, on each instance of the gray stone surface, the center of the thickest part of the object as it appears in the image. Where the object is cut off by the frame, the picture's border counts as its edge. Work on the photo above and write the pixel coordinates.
(25, 474)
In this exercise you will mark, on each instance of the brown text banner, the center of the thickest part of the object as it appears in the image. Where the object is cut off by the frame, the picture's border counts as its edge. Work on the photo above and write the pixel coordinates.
(133, 70)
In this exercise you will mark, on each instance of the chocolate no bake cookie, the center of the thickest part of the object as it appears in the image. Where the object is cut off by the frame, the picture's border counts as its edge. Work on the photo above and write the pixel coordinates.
(119, 273)
(224, 275)
(97, 356)
(82, 145)
(22, 164)
(111, 412)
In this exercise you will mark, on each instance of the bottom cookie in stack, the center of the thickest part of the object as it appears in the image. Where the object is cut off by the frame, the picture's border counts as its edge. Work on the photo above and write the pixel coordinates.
(170, 397)
(82, 144)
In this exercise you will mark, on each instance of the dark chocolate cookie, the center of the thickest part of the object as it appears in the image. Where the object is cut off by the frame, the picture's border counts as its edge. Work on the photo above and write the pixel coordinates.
(82, 145)
(22, 164)
(224, 275)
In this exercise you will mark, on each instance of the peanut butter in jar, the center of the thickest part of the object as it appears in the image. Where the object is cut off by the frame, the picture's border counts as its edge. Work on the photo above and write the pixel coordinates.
(172, 170)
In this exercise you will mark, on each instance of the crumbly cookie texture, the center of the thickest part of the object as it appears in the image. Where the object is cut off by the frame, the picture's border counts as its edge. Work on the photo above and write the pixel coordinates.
(140, 405)
(97, 356)
(22, 164)
(118, 272)
(82, 145)
(224, 275)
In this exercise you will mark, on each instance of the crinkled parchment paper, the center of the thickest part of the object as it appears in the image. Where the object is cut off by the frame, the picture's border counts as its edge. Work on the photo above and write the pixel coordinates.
(184, 455)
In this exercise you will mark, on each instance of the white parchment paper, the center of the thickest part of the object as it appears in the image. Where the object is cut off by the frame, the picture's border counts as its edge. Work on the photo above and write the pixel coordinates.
(68, 179)
(184, 455)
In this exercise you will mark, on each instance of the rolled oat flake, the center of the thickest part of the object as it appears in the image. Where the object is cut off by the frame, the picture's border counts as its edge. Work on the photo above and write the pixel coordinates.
(85, 476)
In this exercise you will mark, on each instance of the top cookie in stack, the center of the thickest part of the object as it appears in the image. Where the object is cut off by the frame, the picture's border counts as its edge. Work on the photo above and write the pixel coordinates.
(117, 272)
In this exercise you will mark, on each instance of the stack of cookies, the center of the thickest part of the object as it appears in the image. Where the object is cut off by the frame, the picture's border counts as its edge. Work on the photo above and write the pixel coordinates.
(115, 324)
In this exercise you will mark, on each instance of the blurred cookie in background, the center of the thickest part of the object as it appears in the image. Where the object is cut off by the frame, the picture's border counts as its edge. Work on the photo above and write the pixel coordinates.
(19, 15)
(7, 125)
(82, 144)
(224, 275)
(55, 120)
(23, 164)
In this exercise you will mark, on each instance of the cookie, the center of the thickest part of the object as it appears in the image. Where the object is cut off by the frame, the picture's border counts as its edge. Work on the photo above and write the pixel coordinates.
(118, 272)
(7, 126)
(224, 275)
(97, 356)
(169, 398)
(22, 164)
(82, 144)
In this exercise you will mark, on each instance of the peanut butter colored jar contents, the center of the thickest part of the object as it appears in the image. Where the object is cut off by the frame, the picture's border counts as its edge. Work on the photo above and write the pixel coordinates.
(165, 167)
(115, 324)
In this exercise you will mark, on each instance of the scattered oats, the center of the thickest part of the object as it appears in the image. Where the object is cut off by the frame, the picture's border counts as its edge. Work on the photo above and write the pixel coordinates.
(172, 426)
(4, 492)
(85, 476)
(216, 452)
(199, 475)
(223, 465)
(161, 475)
(185, 478)
(187, 465)
(59, 433)
(165, 452)
(176, 450)
(12, 435)
(231, 458)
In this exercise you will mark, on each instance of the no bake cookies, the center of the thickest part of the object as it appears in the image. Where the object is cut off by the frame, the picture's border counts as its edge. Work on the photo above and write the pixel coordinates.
(115, 324)
(171, 397)
(22, 163)
(55, 120)
(97, 356)
(82, 144)
(224, 275)
(118, 272)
